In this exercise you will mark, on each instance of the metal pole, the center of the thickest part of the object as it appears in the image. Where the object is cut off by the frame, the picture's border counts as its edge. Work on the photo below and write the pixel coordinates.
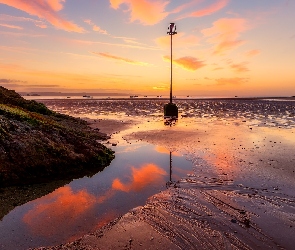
(171, 73)
(170, 166)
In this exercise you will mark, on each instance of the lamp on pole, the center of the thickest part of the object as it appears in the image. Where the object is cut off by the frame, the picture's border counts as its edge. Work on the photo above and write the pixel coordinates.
(171, 32)
(170, 109)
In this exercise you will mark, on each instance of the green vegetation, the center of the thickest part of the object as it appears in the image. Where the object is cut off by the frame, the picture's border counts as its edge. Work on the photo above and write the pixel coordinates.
(12, 98)
(37, 144)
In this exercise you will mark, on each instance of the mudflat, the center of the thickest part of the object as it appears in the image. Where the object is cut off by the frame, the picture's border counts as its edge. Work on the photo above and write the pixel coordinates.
(241, 194)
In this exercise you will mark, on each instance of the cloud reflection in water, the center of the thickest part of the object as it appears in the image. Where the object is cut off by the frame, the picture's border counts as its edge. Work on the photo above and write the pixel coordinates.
(147, 174)
(63, 209)
(58, 211)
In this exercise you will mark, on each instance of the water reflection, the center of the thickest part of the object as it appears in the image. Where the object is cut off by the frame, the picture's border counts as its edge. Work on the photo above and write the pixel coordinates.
(264, 112)
(171, 121)
(164, 150)
(59, 211)
(141, 178)
(89, 203)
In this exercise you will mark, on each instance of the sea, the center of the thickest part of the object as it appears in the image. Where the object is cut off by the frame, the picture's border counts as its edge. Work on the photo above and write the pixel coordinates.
(143, 168)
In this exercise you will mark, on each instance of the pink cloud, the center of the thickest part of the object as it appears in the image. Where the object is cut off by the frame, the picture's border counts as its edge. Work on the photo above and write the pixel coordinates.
(45, 9)
(252, 53)
(225, 32)
(95, 27)
(42, 26)
(185, 6)
(187, 62)
(122, 59)
(98, 29)
(11, 26)
(122, 45)
(8, 18)
(216, 6)
(145, 11)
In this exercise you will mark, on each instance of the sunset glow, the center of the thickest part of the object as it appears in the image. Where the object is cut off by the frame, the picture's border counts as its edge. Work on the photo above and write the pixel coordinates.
(223, 47)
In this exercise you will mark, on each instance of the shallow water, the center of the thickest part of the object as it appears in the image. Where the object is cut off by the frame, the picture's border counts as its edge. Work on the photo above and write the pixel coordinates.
(86, 204)
(259, 112)
(239, 150)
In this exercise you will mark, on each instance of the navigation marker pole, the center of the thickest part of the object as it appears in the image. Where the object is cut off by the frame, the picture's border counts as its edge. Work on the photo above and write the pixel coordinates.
(170, 109)
(171, 32)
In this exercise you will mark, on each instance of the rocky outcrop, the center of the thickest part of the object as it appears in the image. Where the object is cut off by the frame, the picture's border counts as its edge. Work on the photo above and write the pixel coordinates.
(37, 144)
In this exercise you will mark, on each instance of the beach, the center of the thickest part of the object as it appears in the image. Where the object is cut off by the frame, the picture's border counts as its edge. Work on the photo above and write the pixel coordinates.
(239, 193)
(147, 124)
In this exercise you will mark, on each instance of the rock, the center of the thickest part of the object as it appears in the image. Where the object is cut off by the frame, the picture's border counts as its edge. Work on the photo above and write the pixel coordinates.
(37, 144)
(233, 220)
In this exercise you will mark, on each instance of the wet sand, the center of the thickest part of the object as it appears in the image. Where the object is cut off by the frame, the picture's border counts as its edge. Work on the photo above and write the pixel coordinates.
(241, 194)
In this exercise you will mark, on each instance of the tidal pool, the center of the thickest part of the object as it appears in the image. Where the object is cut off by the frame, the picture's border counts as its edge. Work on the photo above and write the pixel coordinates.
(138, 171)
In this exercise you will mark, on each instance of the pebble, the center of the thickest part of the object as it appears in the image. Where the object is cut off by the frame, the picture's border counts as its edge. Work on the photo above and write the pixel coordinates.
(233, 220)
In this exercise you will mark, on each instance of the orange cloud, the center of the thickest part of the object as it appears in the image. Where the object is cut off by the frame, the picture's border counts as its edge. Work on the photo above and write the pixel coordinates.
(225, 32)
(218, 5)
(45, 9)
(98, 29)
(227, 45)
(59, 212)
(187, 62)
(95, 27)
(146, 11)
(253, 52)
(55, 4)
(179, 40)
(239, 67)
(141, 178)
(122, 59)
(11, 26)
(231, 81)
(160, 87)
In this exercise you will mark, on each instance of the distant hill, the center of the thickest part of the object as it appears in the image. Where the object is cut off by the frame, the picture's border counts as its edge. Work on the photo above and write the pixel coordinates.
(71, 94)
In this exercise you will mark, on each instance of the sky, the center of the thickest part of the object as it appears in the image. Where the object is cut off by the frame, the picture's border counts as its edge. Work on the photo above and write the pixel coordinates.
(222, 47)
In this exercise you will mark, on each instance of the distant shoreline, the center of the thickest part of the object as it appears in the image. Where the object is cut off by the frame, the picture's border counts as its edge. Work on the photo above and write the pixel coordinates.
(290, 98)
